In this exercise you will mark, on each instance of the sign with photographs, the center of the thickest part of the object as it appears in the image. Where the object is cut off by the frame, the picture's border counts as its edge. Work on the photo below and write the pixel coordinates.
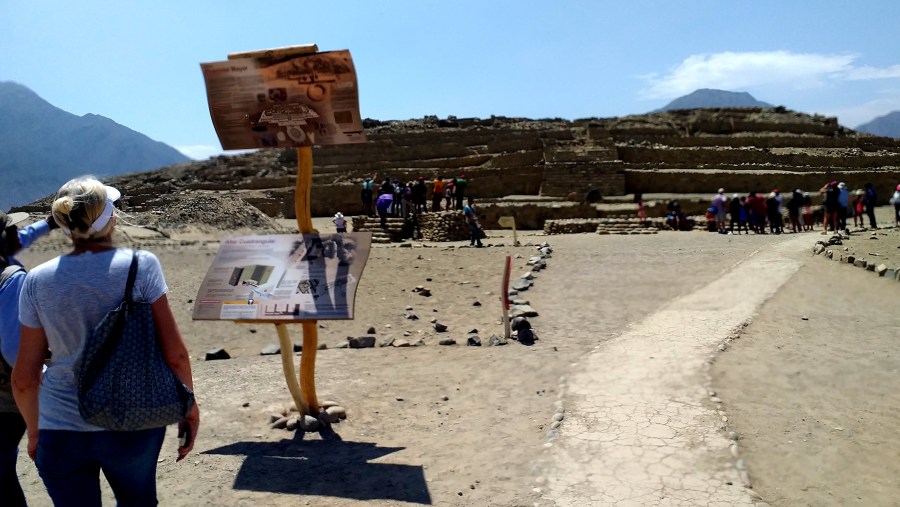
(284, 100)
(284, 277)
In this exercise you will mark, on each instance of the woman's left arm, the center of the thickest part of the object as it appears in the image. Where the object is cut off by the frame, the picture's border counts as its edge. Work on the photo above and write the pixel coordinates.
(176, 356)
(26, 379)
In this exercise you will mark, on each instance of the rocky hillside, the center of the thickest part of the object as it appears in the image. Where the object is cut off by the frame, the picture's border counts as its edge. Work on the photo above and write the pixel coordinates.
(886, 126)
(706, 98)
(684, 151)
(42, 145)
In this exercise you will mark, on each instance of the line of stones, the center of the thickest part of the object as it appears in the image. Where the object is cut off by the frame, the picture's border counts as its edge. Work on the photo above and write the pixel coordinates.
(739, 464)
(823, 248)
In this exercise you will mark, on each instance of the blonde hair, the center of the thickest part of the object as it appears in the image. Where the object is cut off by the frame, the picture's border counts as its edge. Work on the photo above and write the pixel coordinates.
(78, 204)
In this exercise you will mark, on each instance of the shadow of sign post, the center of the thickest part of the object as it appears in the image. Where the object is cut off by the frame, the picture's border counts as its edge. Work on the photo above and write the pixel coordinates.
(329, 467)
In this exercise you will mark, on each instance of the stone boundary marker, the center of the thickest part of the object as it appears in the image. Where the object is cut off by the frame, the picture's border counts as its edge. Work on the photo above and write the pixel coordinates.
(835, 250)
(641, 423)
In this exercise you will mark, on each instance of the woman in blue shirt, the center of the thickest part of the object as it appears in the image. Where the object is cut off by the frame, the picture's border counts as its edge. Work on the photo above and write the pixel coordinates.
(12, 426)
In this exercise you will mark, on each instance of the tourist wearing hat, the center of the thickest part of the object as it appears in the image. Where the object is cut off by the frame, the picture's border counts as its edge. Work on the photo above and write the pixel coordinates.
(12, 425)
(340, 223)
(773, 213)
(62, 301)
(843, 204)
(719, 203)
(738, 213)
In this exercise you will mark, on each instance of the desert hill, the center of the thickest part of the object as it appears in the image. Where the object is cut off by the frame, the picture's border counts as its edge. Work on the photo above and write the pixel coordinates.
(42, 145)
(705, 98)
(886, 126)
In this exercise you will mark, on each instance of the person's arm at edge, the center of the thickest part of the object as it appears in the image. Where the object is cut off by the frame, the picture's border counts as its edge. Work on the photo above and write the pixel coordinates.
(26, 380)
(29, 233)
(176, 356)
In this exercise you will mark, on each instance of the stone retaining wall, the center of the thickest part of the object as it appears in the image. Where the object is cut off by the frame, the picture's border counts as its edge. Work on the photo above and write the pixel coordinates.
(604, 226)
(444, 226)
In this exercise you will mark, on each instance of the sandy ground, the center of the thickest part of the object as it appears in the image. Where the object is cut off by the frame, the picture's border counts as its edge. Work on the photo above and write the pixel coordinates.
(457, 425)
(811, 385)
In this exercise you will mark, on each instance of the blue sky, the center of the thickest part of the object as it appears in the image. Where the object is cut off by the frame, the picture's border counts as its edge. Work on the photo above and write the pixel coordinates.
(138, 62)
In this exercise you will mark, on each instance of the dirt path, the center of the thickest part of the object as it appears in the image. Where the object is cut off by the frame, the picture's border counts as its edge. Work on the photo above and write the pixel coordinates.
(639, 427)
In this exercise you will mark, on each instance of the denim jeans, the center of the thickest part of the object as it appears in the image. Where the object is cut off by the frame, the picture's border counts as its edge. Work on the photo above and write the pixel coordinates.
(70, 462)
(12, 427)
(476, 233)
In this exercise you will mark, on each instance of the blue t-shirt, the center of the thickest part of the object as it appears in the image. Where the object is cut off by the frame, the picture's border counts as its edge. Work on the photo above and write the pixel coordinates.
(9, 295)
(844, 197)
(67, 297)
(469, 212)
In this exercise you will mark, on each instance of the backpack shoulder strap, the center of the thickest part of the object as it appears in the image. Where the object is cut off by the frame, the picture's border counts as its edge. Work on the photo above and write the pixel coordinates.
(8, 272)
(132, 273)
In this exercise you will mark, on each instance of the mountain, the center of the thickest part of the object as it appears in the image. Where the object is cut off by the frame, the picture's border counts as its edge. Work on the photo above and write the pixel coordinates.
(709, 98)
(885, 126)
(42, 147)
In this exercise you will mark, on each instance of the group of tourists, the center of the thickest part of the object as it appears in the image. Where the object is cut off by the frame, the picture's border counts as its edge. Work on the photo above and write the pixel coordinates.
(764, 213)
(395, 198)
(47, 318)
(840, 204)
(408, 200)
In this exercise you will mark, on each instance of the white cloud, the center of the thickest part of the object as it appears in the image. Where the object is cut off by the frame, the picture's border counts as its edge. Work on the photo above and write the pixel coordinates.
(739, 71)
(865, 73)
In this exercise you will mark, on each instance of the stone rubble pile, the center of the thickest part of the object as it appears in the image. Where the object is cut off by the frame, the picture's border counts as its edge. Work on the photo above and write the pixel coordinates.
(289, 418)
(631, 226)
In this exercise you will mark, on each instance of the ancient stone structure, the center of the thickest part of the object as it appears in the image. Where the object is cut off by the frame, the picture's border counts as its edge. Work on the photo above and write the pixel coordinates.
(555, 168)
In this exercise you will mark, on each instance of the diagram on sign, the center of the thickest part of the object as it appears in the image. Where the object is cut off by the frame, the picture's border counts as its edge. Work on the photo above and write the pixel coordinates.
(309, 276)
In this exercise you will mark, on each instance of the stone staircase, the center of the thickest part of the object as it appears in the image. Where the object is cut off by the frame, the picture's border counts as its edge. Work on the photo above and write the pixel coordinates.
(394, 232)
